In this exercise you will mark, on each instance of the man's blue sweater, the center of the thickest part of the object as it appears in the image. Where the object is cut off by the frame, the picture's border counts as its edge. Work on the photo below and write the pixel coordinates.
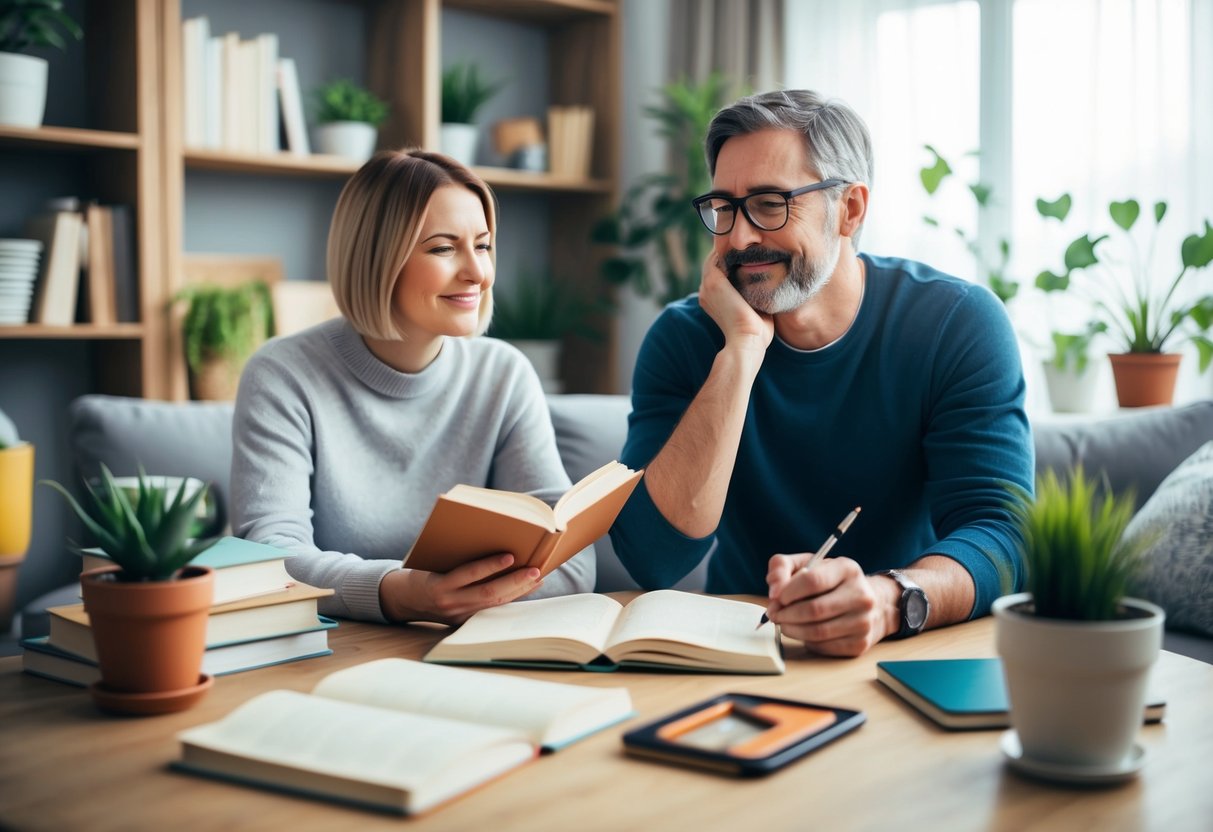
(916, 414)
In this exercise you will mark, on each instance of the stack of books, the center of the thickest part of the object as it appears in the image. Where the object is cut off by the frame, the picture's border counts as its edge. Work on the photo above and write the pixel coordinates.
(570, 141)
(260, 617)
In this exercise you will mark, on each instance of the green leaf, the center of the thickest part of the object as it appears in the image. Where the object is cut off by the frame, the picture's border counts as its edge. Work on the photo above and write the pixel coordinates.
(1160, 210)
(1201, 312)
(1047, 281)
(1196, 251)
(935, 173)
(1006, 290)
(1124, 213)
(981, 193)
(1204, 347)
(619, 269)
(931, 221)
(1058, 209)
(1081, 252)
(606, 231)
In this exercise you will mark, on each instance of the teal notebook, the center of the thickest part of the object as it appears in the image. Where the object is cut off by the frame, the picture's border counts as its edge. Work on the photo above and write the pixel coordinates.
(963, 693)
(243, 569)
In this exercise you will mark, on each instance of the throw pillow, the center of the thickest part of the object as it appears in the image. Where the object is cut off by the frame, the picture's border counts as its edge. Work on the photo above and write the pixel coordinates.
(1178, 570)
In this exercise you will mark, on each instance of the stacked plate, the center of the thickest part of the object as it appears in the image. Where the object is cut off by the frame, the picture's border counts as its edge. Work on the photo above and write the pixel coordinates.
(18, 274)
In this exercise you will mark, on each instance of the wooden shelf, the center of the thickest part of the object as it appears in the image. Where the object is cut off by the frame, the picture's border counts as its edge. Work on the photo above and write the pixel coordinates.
(511, 179)
(78, 332)
(540, 11)
(281, 164)
(66, 138)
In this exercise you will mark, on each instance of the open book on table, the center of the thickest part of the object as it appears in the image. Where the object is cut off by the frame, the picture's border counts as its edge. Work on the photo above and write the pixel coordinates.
(469, 523)
(665, 629)
(395, 734)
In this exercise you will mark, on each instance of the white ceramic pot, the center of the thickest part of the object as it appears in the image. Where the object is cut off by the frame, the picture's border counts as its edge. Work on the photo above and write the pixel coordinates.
(22, 89)
(1076, 688)
(545, 358)
(1070, 391)
(351, 139)
(459, 142)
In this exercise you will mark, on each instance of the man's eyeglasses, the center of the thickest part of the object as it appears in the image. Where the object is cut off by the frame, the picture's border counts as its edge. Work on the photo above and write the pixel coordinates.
(766, 210)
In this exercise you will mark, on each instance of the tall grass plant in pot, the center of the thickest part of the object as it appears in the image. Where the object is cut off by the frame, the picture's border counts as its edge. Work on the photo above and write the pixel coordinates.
(1077, 652)
(464, 92)
(147, 613)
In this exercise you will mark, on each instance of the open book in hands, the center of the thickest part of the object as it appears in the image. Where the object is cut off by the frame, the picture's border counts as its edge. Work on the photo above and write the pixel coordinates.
(665, 629)
(396, 734)
(468, 523)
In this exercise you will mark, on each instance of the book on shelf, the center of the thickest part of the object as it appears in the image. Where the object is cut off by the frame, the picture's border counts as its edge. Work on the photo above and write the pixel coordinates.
(964, 693)
(59, 274)
(243, 568)
(98, 284)
(293, 122)
(397, 735)
(195, 37)
(266, 85)
(264, 616)
(41, 658)
(467, 523)
(126, 278)
(665, 629)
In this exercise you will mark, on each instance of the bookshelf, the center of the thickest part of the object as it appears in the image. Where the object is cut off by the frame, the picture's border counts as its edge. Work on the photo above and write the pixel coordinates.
(110, 154)
(402, 62)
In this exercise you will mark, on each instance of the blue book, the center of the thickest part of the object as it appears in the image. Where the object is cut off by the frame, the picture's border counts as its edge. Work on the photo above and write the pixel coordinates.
(963, 693)
(243, 569)
(41, 658)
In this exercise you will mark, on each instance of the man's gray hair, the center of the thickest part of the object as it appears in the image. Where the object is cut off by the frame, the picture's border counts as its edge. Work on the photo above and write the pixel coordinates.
(836, 138)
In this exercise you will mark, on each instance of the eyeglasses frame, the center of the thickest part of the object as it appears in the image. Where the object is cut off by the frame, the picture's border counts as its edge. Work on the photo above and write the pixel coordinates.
(738, 203)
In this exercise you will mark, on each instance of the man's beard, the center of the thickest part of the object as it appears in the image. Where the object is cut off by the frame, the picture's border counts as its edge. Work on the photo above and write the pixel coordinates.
(805, 277)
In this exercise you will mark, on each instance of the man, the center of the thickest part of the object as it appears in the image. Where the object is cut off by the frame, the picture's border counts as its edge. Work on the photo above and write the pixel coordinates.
(804, 380)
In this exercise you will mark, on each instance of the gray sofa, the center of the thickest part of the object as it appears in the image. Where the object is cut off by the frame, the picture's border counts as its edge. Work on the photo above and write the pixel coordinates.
(1135, 450)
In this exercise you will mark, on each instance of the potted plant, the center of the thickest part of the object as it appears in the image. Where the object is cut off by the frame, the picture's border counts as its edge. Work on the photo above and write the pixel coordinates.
(534, 317)
(148, 612)
(1145, 318)
(223, 326)
(16, 513)
(932, 176)
(463, 93)
(26, 23)
(1076, 651)
(348, 118)
(1069, 374)
(653, 222)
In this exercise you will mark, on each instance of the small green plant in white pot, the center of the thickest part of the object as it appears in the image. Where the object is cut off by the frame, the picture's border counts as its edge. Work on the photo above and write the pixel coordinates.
(1077, 652)
(1069, 373)
(26, 23)
(348, 119)
(534, 315)
(464, 92)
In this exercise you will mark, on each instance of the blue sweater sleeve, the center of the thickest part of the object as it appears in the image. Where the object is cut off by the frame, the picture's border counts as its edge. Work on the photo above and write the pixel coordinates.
(977, 440)
(670, 369)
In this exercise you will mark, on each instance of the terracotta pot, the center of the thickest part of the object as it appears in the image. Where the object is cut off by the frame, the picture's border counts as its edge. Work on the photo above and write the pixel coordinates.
(217, 381)
(1145, 378)
(150, 635)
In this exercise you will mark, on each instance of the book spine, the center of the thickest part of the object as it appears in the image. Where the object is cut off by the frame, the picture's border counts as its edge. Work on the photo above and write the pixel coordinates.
(543, 552)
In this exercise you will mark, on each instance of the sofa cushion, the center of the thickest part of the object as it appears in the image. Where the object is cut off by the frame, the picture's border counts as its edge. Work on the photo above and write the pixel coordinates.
(1134, 450)
(1178, 520)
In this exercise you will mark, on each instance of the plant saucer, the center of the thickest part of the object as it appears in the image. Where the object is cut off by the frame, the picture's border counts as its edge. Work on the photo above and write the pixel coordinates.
(149, 704)
(1097, 775)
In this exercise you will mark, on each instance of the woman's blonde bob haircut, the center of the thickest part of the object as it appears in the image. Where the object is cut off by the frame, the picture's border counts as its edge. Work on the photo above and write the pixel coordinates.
(375, 229)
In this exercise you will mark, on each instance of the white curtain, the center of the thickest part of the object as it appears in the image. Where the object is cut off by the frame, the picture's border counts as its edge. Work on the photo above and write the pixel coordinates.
(1104, 99)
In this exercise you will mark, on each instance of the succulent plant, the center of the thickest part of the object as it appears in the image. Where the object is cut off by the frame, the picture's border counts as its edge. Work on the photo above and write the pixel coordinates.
(148, 537)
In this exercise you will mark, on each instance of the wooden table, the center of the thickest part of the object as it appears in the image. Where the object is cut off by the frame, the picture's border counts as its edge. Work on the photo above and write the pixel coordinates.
(66, 766)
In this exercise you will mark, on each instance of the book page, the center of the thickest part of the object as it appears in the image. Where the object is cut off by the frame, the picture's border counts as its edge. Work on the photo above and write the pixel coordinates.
(585, 618)
(590, 489)
(427, 757)
(720, 624)
(531, 509)
(527, 705)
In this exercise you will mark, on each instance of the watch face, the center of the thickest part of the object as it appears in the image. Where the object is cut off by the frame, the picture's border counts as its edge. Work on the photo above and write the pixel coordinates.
(915, 609)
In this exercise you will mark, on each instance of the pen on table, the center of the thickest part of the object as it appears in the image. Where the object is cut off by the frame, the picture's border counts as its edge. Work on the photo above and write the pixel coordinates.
(825, 548)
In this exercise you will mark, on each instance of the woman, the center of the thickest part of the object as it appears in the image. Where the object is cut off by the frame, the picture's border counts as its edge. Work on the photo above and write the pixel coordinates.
(346, 433)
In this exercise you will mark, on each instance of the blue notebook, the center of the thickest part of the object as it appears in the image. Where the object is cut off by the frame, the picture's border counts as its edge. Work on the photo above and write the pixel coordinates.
(964, 693)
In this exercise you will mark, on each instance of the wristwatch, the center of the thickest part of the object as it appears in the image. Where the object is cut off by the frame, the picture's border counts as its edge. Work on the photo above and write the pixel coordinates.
(914, 605)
